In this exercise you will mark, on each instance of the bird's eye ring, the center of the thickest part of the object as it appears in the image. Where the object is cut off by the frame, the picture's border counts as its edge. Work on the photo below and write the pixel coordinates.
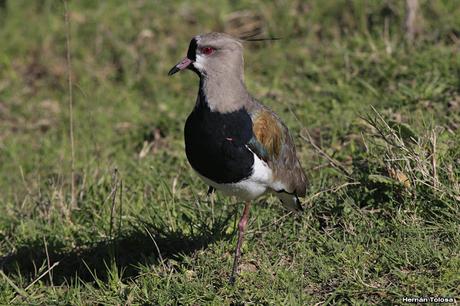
(207, 50)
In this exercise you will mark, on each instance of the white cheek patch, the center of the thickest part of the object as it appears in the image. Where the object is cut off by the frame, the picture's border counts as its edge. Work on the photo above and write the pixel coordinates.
(199, 62)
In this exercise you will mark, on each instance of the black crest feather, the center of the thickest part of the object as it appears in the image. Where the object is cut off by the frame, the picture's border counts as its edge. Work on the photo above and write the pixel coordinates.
(254, 38)
(262, 39)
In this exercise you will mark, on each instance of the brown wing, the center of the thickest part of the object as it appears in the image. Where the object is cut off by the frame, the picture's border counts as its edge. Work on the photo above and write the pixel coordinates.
(273, 143)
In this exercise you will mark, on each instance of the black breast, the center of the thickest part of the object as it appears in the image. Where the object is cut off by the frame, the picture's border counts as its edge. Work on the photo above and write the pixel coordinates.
(215, 144)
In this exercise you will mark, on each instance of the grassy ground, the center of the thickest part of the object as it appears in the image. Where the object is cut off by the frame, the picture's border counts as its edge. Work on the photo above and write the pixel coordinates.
(382, 213)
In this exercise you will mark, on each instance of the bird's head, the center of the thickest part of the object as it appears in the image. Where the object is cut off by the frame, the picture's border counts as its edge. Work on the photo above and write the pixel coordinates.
(213, 54)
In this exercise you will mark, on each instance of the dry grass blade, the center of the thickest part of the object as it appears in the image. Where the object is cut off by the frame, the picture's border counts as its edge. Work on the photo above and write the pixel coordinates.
(48, 261)
(433, 140)
(332, 189)
(71, 123)
(157, 248)
(333, 162)
(113, 195)
(42, 275)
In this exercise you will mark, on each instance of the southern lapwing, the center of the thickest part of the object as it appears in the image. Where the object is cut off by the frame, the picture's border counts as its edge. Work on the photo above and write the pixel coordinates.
(235, 144)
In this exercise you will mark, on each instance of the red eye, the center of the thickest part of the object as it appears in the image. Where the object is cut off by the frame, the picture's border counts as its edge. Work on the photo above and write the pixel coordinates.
(207, 50)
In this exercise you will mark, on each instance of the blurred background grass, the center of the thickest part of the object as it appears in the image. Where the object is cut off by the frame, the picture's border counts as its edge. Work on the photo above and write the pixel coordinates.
(335, 60)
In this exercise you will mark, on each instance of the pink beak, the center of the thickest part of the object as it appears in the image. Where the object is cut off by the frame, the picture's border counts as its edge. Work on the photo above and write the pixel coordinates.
(180, 66)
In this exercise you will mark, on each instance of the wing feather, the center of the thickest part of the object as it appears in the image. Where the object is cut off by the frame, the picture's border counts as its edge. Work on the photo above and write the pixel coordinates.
(273, 143)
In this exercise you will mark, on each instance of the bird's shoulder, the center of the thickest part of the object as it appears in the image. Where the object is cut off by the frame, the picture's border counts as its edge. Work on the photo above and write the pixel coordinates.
(269, 131)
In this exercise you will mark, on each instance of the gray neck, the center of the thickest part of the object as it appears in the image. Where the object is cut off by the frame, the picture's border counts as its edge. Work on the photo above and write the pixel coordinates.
(223, 93)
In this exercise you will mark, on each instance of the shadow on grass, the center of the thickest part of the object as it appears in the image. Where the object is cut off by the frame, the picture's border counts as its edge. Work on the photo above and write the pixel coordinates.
(128, 252)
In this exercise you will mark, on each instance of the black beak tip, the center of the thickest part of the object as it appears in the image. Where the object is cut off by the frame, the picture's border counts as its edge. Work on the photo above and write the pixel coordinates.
(173, 70)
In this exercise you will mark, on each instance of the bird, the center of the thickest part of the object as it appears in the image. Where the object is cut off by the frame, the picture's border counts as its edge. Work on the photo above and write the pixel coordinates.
(235, 144)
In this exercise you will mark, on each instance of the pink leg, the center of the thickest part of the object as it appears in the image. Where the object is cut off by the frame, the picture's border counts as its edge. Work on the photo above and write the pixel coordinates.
(241, 228)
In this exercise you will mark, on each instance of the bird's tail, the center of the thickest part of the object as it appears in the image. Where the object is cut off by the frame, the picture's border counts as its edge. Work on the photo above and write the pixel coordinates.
(290, 201)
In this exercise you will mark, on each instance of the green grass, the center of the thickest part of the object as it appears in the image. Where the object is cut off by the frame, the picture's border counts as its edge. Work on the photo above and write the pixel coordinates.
(144, 233)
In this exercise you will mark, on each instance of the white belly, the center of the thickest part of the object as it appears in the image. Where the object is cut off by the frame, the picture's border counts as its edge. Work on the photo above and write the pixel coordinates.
(250, 188)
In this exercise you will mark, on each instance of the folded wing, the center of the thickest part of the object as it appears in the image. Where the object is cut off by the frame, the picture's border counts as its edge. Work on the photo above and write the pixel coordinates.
(273, 144)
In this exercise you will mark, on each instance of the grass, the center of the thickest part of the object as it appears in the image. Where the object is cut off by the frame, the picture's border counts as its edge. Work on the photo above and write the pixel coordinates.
(381, 220)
